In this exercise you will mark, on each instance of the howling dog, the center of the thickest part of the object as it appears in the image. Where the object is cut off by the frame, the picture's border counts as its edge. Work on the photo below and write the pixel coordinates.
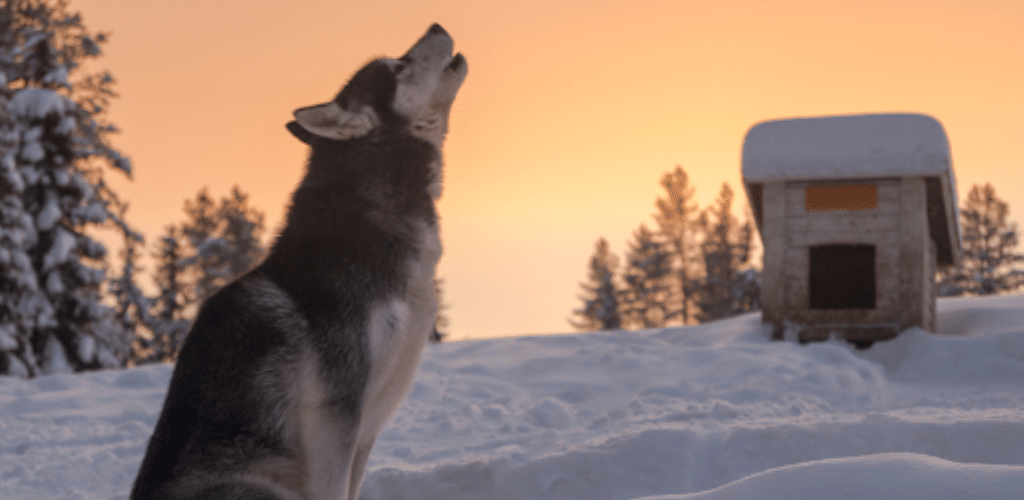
(289, 373)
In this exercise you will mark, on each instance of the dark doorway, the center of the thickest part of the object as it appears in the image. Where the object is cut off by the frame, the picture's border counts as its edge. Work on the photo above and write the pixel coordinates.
(842, 277)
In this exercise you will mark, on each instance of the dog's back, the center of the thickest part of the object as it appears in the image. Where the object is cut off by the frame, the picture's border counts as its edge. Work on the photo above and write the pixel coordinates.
(289, 373)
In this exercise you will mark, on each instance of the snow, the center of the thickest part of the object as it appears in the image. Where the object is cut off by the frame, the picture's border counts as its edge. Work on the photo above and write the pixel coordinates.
(86, 347)
(49, 215)
(845, 147)
(37, 103)
(709, 412)
(63, 243)
(58, 76)
(931, 478)
(54, 283)
(33, 152)
(56, 358)
(7, 334)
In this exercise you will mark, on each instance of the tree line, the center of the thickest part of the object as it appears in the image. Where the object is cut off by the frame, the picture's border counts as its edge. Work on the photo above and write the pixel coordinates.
(217, 243)
(62, 307)
(694, 266)
(989, 264)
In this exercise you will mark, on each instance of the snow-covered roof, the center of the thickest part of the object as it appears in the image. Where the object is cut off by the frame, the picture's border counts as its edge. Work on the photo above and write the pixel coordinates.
(860, 147)
(846, 147)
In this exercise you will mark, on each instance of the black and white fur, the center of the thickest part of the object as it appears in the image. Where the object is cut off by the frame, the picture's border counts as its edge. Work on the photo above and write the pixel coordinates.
(289, 373)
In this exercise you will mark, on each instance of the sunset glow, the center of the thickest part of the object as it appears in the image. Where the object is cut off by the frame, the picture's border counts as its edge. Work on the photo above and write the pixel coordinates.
(570, 113)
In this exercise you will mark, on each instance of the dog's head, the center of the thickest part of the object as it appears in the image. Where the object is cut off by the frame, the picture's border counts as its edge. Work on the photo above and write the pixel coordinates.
(413, 93)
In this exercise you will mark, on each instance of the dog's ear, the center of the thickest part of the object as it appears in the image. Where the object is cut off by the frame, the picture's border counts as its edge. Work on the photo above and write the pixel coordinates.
(332, 121)
(299, 132)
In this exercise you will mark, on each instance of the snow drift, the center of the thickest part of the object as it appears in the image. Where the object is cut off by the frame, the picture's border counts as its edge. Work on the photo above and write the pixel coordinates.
(708, 412)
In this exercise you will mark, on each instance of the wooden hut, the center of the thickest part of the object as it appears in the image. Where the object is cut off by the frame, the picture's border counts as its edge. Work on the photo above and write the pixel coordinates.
(855, 213)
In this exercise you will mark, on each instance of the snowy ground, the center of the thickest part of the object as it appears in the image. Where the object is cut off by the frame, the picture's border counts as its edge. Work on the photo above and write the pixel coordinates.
(711, 412)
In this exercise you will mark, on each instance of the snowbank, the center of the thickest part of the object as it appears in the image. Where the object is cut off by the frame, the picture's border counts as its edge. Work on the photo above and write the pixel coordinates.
(902, 476)
(715, 411)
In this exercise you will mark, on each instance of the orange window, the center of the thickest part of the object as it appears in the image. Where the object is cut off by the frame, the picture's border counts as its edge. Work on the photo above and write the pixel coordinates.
(841, 197)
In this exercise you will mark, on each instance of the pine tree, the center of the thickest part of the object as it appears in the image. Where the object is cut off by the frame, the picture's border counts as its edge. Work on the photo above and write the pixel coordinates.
(217, 244)
(204, 264)
(242, 229)
(54, 150)
(726, 287)
(988, 265)
(168, 314)
(676, 218)
(23, 304)
(223, 239)
(600, 294)
(645, 275)
(131, 304)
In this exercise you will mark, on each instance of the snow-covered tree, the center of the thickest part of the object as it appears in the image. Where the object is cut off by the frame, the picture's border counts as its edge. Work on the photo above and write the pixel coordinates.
(54, 150)
(600, 296)
(223, 240)
(645, 281)
(676, 218)
(200, 232)
(218, 243)
(131, 304)
(989, 264)
(23, 304)
(241, 229)
(727, 286)
(169, 325)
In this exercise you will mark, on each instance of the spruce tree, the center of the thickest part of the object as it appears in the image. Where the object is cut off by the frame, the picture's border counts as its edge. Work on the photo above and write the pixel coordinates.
(168, 314)
(217, 244)
(726, 287)
(989, 262)
(676, 218)
(241, 230)
(600, 296)
(205, 265)
(54, 150)
(223, 239)
(645, 281)
(131, 304)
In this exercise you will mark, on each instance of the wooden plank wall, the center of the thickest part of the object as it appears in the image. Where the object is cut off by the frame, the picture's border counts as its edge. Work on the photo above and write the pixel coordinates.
(879, 227)
(917, 276)
(904, 253)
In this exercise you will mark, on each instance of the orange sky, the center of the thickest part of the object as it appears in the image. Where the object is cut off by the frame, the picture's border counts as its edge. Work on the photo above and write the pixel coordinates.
(569, 116)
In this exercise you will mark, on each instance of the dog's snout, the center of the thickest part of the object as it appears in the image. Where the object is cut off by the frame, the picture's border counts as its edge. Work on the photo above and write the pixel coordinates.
(436, 29)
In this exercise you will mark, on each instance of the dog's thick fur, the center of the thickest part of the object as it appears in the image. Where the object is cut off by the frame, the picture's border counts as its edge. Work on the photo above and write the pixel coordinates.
(289, 373)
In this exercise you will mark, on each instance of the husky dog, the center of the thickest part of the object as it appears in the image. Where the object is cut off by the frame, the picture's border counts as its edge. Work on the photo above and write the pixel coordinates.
(289, 373)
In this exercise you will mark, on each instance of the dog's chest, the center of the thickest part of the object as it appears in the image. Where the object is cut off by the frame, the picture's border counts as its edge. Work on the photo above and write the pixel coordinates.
(398, 329)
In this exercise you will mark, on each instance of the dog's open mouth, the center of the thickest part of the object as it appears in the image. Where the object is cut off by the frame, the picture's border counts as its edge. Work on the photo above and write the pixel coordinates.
(456, 63)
